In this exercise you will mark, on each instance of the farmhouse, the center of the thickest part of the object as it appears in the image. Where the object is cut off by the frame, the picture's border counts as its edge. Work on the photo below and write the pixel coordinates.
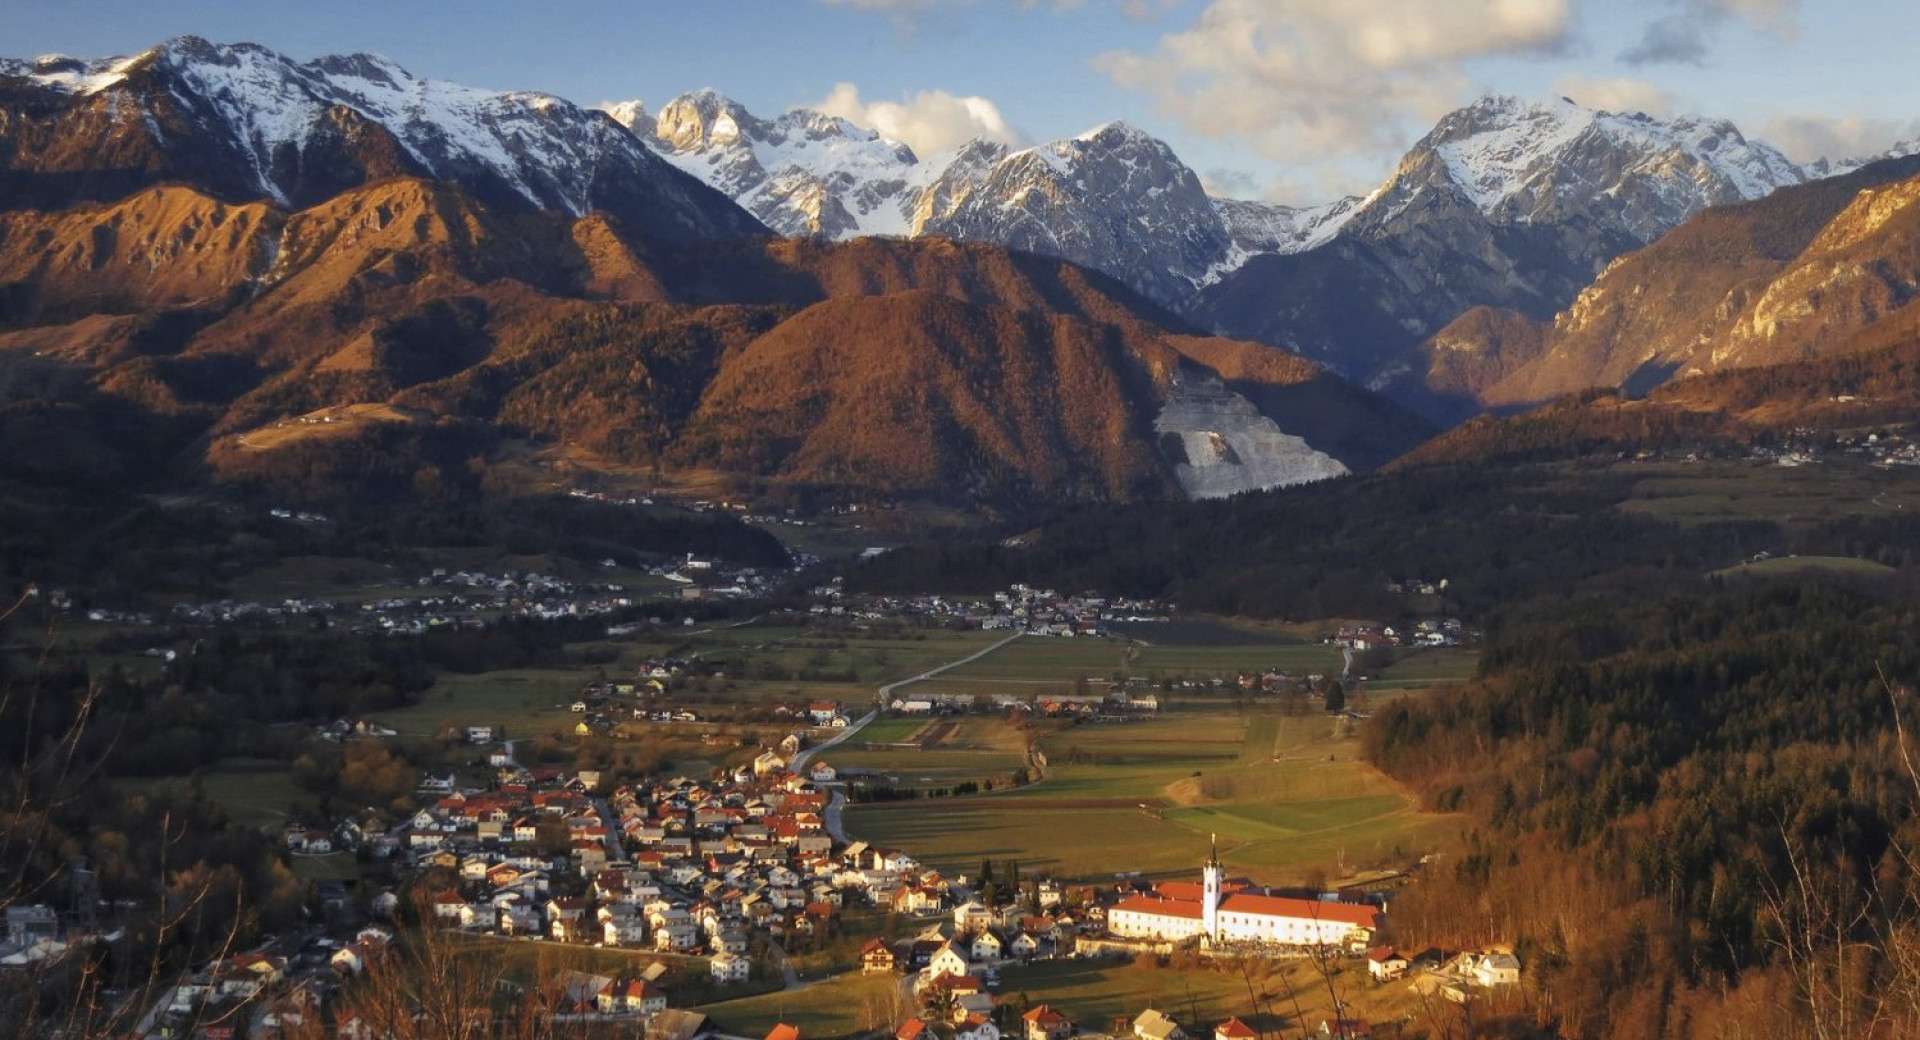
(1220, 911)
(1155, 1025)
(1385, 962)
(1044, 1023)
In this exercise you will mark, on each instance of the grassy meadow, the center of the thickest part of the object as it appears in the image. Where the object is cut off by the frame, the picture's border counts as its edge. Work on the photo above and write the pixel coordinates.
(1274, 997)
(843, 1005)
(1287, 795)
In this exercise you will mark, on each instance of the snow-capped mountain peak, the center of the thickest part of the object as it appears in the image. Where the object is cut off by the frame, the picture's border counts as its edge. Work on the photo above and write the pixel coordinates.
(631, 114)
(1519, 160)
(802, 173)
(72, 75)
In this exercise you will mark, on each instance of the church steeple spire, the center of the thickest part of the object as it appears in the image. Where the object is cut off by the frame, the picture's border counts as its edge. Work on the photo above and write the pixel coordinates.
(1210, 891)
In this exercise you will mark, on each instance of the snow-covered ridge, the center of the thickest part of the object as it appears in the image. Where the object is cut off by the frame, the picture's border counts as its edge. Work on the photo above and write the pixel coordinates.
(802, 173)
(269, 113)
(1501, 147)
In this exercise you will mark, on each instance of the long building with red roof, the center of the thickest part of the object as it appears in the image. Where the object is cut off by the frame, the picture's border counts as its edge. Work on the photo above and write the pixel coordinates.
(1222, 911)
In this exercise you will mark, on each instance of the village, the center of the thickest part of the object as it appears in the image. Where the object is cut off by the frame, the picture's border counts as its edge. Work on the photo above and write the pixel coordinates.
(706, 887)
(713, 885)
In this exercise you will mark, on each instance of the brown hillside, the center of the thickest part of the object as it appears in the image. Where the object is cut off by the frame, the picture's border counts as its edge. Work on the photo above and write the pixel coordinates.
(1757, 283)
(1873, 381)
(929, 394)
(162, 248)
(1478, 350)
(797, 272)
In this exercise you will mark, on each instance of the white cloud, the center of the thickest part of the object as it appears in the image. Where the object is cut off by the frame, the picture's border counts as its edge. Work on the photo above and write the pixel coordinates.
(929, 122)
(1308, 80)
(1805, 138)
(1617, 95)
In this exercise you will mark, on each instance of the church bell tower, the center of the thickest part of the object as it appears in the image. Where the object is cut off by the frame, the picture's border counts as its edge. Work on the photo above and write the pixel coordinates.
(1210, 893)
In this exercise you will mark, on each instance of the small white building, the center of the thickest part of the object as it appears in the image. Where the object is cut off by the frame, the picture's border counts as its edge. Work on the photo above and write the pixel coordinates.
(730, 967)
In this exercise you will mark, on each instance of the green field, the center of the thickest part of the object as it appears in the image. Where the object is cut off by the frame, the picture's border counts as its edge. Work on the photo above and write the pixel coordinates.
(253, 792)
(1717, 491)
(1783, 566)
(1040, 661)
(840, 1006)
(528, 702)
(1287, 795)
(1424, 668)
(974, 747)
(892, 730)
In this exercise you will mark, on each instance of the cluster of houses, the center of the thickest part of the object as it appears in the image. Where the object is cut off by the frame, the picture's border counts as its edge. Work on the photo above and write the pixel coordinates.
(264, 993)
(1424, 632)
(1459, 977)
(277, 991)
(714, 868)
(1104, 699)
(449, 599)
(1040, 612)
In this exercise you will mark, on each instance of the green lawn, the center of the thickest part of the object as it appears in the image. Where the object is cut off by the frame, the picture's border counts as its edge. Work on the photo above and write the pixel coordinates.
(840, 1006)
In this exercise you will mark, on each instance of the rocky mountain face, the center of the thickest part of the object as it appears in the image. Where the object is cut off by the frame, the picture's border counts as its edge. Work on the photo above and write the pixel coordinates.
(1809, 271)
(1505, 203)
(242, 123)
(802, 174)
(1114, 199)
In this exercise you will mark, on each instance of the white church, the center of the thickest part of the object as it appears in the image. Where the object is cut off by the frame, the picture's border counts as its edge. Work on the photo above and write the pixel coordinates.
(1221, 910)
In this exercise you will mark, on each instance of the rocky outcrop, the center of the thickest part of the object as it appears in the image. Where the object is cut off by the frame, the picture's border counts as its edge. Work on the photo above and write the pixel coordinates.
(1221, 445)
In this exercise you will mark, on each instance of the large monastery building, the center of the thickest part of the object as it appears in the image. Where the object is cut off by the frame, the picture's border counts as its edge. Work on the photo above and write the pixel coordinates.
(1221, 910)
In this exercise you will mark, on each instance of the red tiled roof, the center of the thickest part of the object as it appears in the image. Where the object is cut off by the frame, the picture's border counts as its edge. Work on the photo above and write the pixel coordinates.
(1357, 914)
(1234, 1029)
(1045, 1016)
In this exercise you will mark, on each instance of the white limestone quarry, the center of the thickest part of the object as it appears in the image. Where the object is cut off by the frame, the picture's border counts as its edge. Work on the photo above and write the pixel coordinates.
(1230, 447)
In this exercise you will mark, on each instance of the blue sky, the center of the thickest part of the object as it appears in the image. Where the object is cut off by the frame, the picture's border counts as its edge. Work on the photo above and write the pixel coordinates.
(1289, 99)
